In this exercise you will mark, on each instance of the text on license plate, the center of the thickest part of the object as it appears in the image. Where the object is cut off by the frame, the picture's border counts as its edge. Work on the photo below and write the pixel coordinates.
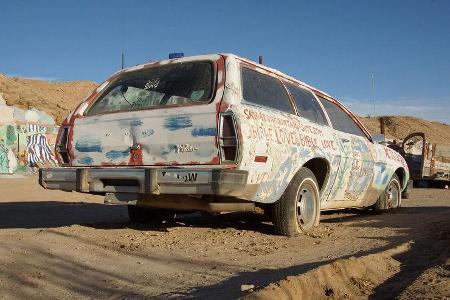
(184, 177)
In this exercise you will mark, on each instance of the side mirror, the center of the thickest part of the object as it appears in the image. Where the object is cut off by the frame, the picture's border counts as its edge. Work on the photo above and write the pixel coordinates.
(378, 138)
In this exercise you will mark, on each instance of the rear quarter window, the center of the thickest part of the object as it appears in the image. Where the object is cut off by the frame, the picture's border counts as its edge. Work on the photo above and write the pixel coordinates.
(265, 90)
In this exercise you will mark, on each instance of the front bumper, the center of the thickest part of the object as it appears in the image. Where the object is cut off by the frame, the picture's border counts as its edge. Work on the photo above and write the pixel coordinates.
(225, 182)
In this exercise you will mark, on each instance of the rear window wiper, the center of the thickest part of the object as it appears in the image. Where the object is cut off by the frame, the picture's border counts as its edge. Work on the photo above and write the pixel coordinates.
(123, 90)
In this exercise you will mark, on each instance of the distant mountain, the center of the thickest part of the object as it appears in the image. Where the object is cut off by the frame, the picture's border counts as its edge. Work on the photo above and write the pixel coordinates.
(55, 98)
(397, 127)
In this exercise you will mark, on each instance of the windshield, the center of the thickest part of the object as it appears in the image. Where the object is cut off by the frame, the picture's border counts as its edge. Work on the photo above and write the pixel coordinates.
(174, 84)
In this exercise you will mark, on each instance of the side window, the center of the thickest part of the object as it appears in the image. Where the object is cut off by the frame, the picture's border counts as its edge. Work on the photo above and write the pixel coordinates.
(265, 90)
(340, 119)
(307, 105)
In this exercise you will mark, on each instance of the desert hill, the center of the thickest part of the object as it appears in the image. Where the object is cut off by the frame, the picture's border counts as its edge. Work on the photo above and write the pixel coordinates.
(59, 98)
(397, 127)
(55, 98)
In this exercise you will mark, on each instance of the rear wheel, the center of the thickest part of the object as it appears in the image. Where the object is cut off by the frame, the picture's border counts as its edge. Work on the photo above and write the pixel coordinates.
(391, 198)
(298, 210)
(139, 214)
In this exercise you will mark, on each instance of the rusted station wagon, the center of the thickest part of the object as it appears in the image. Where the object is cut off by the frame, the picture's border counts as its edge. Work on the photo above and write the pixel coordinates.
(220, 133)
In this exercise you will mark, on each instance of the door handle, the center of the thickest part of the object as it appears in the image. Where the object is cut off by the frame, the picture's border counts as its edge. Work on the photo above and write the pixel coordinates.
(344, 140)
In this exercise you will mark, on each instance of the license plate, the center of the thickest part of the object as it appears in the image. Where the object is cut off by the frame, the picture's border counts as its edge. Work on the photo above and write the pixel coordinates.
(184, 177)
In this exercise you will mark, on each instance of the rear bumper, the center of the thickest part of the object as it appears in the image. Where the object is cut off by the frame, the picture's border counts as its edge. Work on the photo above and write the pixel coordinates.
(225, 182)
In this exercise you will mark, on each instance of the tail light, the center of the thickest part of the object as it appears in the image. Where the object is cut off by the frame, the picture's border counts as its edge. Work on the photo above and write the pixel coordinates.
(61, 146)
(228, 141)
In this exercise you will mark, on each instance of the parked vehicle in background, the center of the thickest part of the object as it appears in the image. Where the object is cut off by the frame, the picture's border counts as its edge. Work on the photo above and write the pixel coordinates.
(427, 162)
(222, 133)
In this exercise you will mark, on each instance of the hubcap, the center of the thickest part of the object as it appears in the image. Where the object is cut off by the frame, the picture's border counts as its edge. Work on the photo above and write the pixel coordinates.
(393, 195)
(306, 204)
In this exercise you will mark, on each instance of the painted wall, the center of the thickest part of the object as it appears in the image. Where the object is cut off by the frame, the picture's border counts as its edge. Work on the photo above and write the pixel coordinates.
(27, 139)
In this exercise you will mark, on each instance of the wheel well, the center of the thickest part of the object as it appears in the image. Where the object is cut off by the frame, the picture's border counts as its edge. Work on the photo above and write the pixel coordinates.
(320, 168)
(401, 176)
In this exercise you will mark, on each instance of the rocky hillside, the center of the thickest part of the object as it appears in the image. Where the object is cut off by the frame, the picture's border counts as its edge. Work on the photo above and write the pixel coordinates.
(397, 127)
(55, 98)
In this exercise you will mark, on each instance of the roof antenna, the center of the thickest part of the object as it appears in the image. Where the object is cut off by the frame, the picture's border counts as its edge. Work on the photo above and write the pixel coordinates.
(373, 93)
(260, 60)
(122, 38)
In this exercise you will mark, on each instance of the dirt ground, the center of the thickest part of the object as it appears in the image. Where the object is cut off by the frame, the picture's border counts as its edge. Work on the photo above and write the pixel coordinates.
(71, 246)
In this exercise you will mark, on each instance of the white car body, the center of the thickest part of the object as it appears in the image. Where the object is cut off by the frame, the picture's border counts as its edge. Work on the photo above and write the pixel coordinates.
(178, 149)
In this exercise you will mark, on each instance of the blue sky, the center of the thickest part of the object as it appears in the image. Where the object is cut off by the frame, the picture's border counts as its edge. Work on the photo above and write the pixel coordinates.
(333, 45)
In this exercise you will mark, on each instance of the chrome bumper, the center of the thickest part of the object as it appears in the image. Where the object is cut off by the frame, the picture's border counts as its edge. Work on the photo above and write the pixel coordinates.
(226, 182)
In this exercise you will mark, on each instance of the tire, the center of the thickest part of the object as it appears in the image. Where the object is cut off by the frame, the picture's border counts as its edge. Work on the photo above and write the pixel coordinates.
(139, 214)
(298, 210)
(391, 198)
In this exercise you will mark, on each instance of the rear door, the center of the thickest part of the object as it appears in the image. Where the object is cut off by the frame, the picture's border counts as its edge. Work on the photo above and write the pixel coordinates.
(415, 154)
(160, 115)
(357, 156)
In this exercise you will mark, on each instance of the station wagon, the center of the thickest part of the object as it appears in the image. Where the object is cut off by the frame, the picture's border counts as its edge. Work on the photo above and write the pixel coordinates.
(220, 133)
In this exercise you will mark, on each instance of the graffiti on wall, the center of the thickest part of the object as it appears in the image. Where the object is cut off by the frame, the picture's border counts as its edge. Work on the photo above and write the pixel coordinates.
(4, 161)
(39, 151)
(8, 162)
(26, 146)
(27, 138)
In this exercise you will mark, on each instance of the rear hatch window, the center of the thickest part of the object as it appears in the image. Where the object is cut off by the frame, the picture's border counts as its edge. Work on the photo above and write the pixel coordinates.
(124, 126)
(168, 85)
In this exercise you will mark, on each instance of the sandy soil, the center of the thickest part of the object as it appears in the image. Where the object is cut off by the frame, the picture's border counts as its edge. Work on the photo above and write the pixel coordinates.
(70, 246)
(382, 275)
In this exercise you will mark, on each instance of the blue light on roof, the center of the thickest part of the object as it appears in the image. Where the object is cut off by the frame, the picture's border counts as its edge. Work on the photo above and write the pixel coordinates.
(176, 55)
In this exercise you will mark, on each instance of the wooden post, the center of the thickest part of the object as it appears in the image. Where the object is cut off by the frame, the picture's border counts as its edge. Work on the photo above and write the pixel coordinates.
(382, 128)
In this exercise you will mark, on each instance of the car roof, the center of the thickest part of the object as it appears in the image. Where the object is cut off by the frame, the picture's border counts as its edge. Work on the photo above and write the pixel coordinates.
(248, 61)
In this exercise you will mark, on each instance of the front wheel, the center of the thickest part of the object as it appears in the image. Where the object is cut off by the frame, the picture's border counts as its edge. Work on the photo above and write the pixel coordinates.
(298, 210)
(391, 198)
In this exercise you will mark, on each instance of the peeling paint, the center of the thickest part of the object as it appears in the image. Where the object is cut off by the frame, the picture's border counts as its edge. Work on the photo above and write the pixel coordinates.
(115, 154)
(200, 131)
(88, 145)
(129, 123)
(178, 122)
(85, 160)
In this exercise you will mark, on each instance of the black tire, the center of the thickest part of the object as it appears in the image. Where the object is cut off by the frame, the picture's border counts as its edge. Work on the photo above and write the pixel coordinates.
(391, 198)
(139, 214)
(290, 215)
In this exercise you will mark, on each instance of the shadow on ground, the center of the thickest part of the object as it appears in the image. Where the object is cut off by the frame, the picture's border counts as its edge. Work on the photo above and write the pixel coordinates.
(50, 214)
(418, 224)
(430, 247)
